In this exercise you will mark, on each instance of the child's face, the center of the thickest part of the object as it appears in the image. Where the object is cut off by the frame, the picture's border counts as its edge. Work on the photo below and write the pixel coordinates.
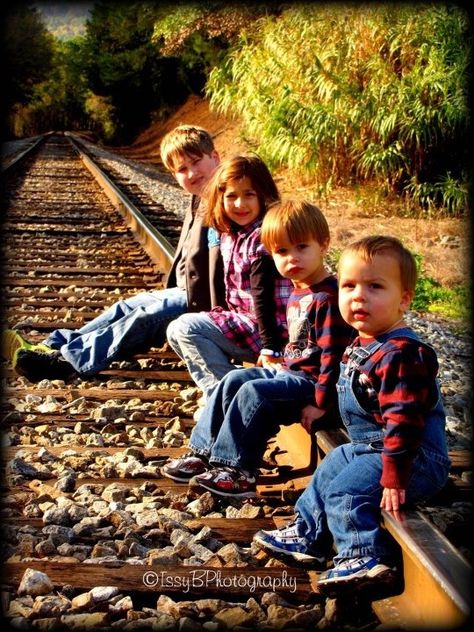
(303, 262)
(194, 172)
(241, 203)
(371, 296)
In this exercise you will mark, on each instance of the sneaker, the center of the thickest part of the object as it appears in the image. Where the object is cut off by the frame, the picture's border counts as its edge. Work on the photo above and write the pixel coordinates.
(185, 467)
(12, 343)
(358, 573)
(286, 543)
(36, 364)
(227, 481)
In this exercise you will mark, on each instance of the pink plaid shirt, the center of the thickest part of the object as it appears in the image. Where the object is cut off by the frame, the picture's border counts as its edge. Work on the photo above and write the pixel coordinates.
(241, 249)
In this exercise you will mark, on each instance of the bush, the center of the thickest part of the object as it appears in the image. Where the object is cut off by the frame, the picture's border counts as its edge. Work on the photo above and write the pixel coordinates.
(431, 296)
(349, 93)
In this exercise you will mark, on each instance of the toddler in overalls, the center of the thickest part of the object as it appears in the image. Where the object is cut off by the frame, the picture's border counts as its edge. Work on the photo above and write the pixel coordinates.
(390, 404)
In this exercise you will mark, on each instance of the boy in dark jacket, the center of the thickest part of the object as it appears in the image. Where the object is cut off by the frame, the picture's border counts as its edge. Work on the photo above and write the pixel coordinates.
(134, 324)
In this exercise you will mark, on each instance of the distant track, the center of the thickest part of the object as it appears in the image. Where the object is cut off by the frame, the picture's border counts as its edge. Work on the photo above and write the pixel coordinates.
(70, 252)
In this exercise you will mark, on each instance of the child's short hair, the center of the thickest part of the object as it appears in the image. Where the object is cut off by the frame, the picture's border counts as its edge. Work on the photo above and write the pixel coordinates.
(185, 139)
(236, 168)
(299, 220)
(368, 247)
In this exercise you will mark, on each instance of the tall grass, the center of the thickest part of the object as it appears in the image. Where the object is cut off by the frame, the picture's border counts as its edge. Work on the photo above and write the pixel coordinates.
(350, 93)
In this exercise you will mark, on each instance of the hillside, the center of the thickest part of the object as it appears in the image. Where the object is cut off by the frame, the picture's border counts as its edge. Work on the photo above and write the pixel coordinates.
(351, 214)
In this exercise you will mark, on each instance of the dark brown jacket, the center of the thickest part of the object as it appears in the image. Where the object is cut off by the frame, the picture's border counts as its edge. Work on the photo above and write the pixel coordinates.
(204, 267)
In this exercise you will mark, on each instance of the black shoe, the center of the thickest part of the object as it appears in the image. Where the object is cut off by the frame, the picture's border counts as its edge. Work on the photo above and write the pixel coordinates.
(38, 365)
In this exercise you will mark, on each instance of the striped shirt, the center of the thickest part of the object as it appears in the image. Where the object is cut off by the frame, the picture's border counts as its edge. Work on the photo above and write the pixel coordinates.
(402, 389)
(250, 314)
(318, 336)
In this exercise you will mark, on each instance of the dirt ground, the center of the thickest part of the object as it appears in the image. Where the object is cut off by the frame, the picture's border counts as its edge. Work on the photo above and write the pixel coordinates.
(444, 244)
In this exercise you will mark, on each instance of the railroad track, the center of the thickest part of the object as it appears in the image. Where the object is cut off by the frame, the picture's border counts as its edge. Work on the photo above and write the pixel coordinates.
(83, 500)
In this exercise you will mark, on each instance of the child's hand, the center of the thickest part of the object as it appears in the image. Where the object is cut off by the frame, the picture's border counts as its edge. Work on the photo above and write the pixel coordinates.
(309, 414)
(392, 499)
(270, 362)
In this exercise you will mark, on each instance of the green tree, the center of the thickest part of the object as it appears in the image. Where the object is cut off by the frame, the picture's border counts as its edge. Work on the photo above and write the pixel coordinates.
(124, 65)
(76, 89)
(201, 33)
(59, 102)
(27, 54)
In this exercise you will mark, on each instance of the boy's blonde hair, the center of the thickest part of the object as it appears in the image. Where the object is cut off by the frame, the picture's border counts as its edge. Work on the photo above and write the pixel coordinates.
(236, 168)
(368, 247)
(185, 139)
(299, 220)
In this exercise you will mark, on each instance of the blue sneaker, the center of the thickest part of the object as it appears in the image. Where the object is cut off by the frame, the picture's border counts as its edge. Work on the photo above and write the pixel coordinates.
(287, 544)
(359, 572)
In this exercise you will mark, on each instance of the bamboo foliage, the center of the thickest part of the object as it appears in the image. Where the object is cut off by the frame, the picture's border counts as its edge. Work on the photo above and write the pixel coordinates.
(352, 93)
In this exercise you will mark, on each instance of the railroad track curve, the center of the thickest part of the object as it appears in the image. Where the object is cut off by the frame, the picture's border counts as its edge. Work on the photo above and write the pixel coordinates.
(83, 502)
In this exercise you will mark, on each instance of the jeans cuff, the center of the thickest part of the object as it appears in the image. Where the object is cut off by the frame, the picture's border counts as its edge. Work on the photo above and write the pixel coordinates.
(199, 451)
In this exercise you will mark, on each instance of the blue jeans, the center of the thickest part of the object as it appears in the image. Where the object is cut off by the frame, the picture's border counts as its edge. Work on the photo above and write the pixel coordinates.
(244, 411)
(126, 327)
(342, 500)
(205, 349)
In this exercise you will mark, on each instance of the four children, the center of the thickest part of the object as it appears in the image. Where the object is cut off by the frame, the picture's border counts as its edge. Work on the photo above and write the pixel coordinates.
(386, 378)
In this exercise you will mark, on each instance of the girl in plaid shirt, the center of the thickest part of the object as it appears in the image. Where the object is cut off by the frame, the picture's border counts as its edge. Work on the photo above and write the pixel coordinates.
(212, 343)
(390, 403)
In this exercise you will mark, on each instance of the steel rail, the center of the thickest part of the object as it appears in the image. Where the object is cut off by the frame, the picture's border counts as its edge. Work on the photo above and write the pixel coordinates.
(437, 579)
(158, 248)
(9, 163)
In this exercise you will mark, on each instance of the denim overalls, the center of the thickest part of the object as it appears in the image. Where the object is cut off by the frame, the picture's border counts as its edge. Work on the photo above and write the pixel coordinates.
(344, 494)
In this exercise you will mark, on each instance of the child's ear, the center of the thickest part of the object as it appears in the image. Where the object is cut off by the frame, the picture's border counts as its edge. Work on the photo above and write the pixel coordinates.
(407, 297)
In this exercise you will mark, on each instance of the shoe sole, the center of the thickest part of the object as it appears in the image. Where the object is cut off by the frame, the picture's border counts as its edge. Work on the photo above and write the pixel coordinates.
(175, 478)
(300, 558)
(345, 585)
(249, 494)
